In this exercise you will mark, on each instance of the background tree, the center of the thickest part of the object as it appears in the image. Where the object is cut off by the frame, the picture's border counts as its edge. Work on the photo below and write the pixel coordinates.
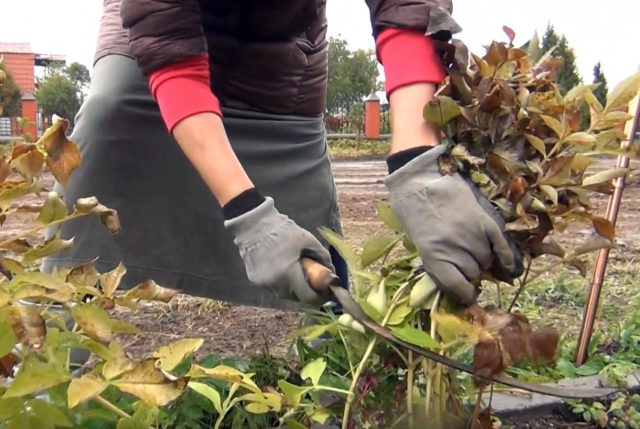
(598, 77)
(61, 91)
(9, 95)
(352, 76)
(567, 76)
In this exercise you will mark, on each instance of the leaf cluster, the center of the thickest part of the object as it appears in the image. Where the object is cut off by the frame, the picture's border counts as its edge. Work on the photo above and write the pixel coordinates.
(521, 141)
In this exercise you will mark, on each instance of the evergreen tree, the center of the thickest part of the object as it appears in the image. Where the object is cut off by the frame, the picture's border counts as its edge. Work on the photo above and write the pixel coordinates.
(598, 77)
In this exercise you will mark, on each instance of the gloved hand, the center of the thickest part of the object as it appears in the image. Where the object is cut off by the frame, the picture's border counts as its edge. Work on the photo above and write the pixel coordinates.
(271, 246)
(457, 232)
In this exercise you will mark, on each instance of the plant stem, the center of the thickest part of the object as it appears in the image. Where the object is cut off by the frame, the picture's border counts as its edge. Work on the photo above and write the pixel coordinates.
(365, 357)
(354, 382)
(427, 365)
(111, 407)
(523, 282)
(410, 374)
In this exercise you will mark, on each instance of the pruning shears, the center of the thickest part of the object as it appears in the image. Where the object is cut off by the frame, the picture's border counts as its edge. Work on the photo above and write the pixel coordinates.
(321, 279)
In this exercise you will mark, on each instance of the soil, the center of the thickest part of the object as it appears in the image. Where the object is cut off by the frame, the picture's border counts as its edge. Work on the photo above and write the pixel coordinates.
(239, 330)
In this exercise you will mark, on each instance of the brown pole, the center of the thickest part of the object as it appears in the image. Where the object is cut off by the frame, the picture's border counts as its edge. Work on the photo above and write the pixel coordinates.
(589, 314)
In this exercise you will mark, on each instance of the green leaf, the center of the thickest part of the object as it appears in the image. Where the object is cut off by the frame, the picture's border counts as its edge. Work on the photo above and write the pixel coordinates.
(314, 370)
(84, 388)
(440, 110)
(342, 247)
(623, 93)
(421, 291)
(375, 248)
(292, 424)
(53, 209)
(604, 176)
(34, 377)
(7, 338)
(566, 368)
(169, 356)
(208, 392)
(388, 217)
(10, 407)
(415, 336)
(585, 370)
(292, 393)
(399, 314)
(319, 414)
(537, 143)
(49, 413)
(49, 247)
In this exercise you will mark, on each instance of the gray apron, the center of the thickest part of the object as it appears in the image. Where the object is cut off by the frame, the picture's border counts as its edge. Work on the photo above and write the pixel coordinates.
(172, 226)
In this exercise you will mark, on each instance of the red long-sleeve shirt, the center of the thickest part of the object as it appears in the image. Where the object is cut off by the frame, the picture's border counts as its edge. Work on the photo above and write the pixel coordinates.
(183, 89)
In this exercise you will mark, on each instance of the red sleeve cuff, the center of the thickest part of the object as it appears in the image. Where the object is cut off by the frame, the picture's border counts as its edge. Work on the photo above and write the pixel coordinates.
(183, 89)
(408, 56)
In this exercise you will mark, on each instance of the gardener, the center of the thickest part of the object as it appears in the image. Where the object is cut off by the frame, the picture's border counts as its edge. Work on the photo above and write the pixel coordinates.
(240, 86)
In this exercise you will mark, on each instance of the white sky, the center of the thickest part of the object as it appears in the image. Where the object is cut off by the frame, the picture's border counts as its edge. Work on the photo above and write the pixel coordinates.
(606, 31)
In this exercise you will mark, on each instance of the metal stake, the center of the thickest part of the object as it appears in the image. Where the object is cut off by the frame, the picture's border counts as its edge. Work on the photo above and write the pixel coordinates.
(589, 314)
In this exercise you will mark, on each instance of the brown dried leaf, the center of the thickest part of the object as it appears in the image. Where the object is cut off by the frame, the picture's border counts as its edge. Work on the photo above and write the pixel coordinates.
(151, 291)
(109, 282)
(487, 361)
(27, 160)
(28, 325)
(63, 156)
(497, 54)
(5, 170)
(578, 264)
(604, 227)
(595, 242)
(510, 33)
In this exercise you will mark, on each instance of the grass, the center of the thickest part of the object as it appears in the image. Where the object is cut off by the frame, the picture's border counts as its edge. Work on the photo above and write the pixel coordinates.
(351, 148)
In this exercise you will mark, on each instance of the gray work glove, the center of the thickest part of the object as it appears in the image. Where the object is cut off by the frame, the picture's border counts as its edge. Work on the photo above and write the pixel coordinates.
(458, 233)
(271, 246)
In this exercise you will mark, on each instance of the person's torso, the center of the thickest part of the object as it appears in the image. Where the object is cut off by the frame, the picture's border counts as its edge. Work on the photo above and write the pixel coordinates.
(268, 56)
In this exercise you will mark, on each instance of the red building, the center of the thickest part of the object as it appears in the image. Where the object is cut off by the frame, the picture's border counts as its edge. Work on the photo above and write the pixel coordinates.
(21, 63)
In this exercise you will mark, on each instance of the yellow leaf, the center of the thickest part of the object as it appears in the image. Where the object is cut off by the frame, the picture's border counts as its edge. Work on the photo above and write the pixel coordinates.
(111, 281)
(169, 356)
(537, 143)
(208, 392)
(452, 328)
(623, 93)
(604, 176)
(84, 388)
(582, 138)
(150, 384)
(271, 401)
(554, 124)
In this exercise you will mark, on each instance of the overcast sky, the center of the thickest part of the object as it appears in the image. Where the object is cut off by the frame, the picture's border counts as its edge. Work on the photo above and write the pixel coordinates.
(598, 31)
